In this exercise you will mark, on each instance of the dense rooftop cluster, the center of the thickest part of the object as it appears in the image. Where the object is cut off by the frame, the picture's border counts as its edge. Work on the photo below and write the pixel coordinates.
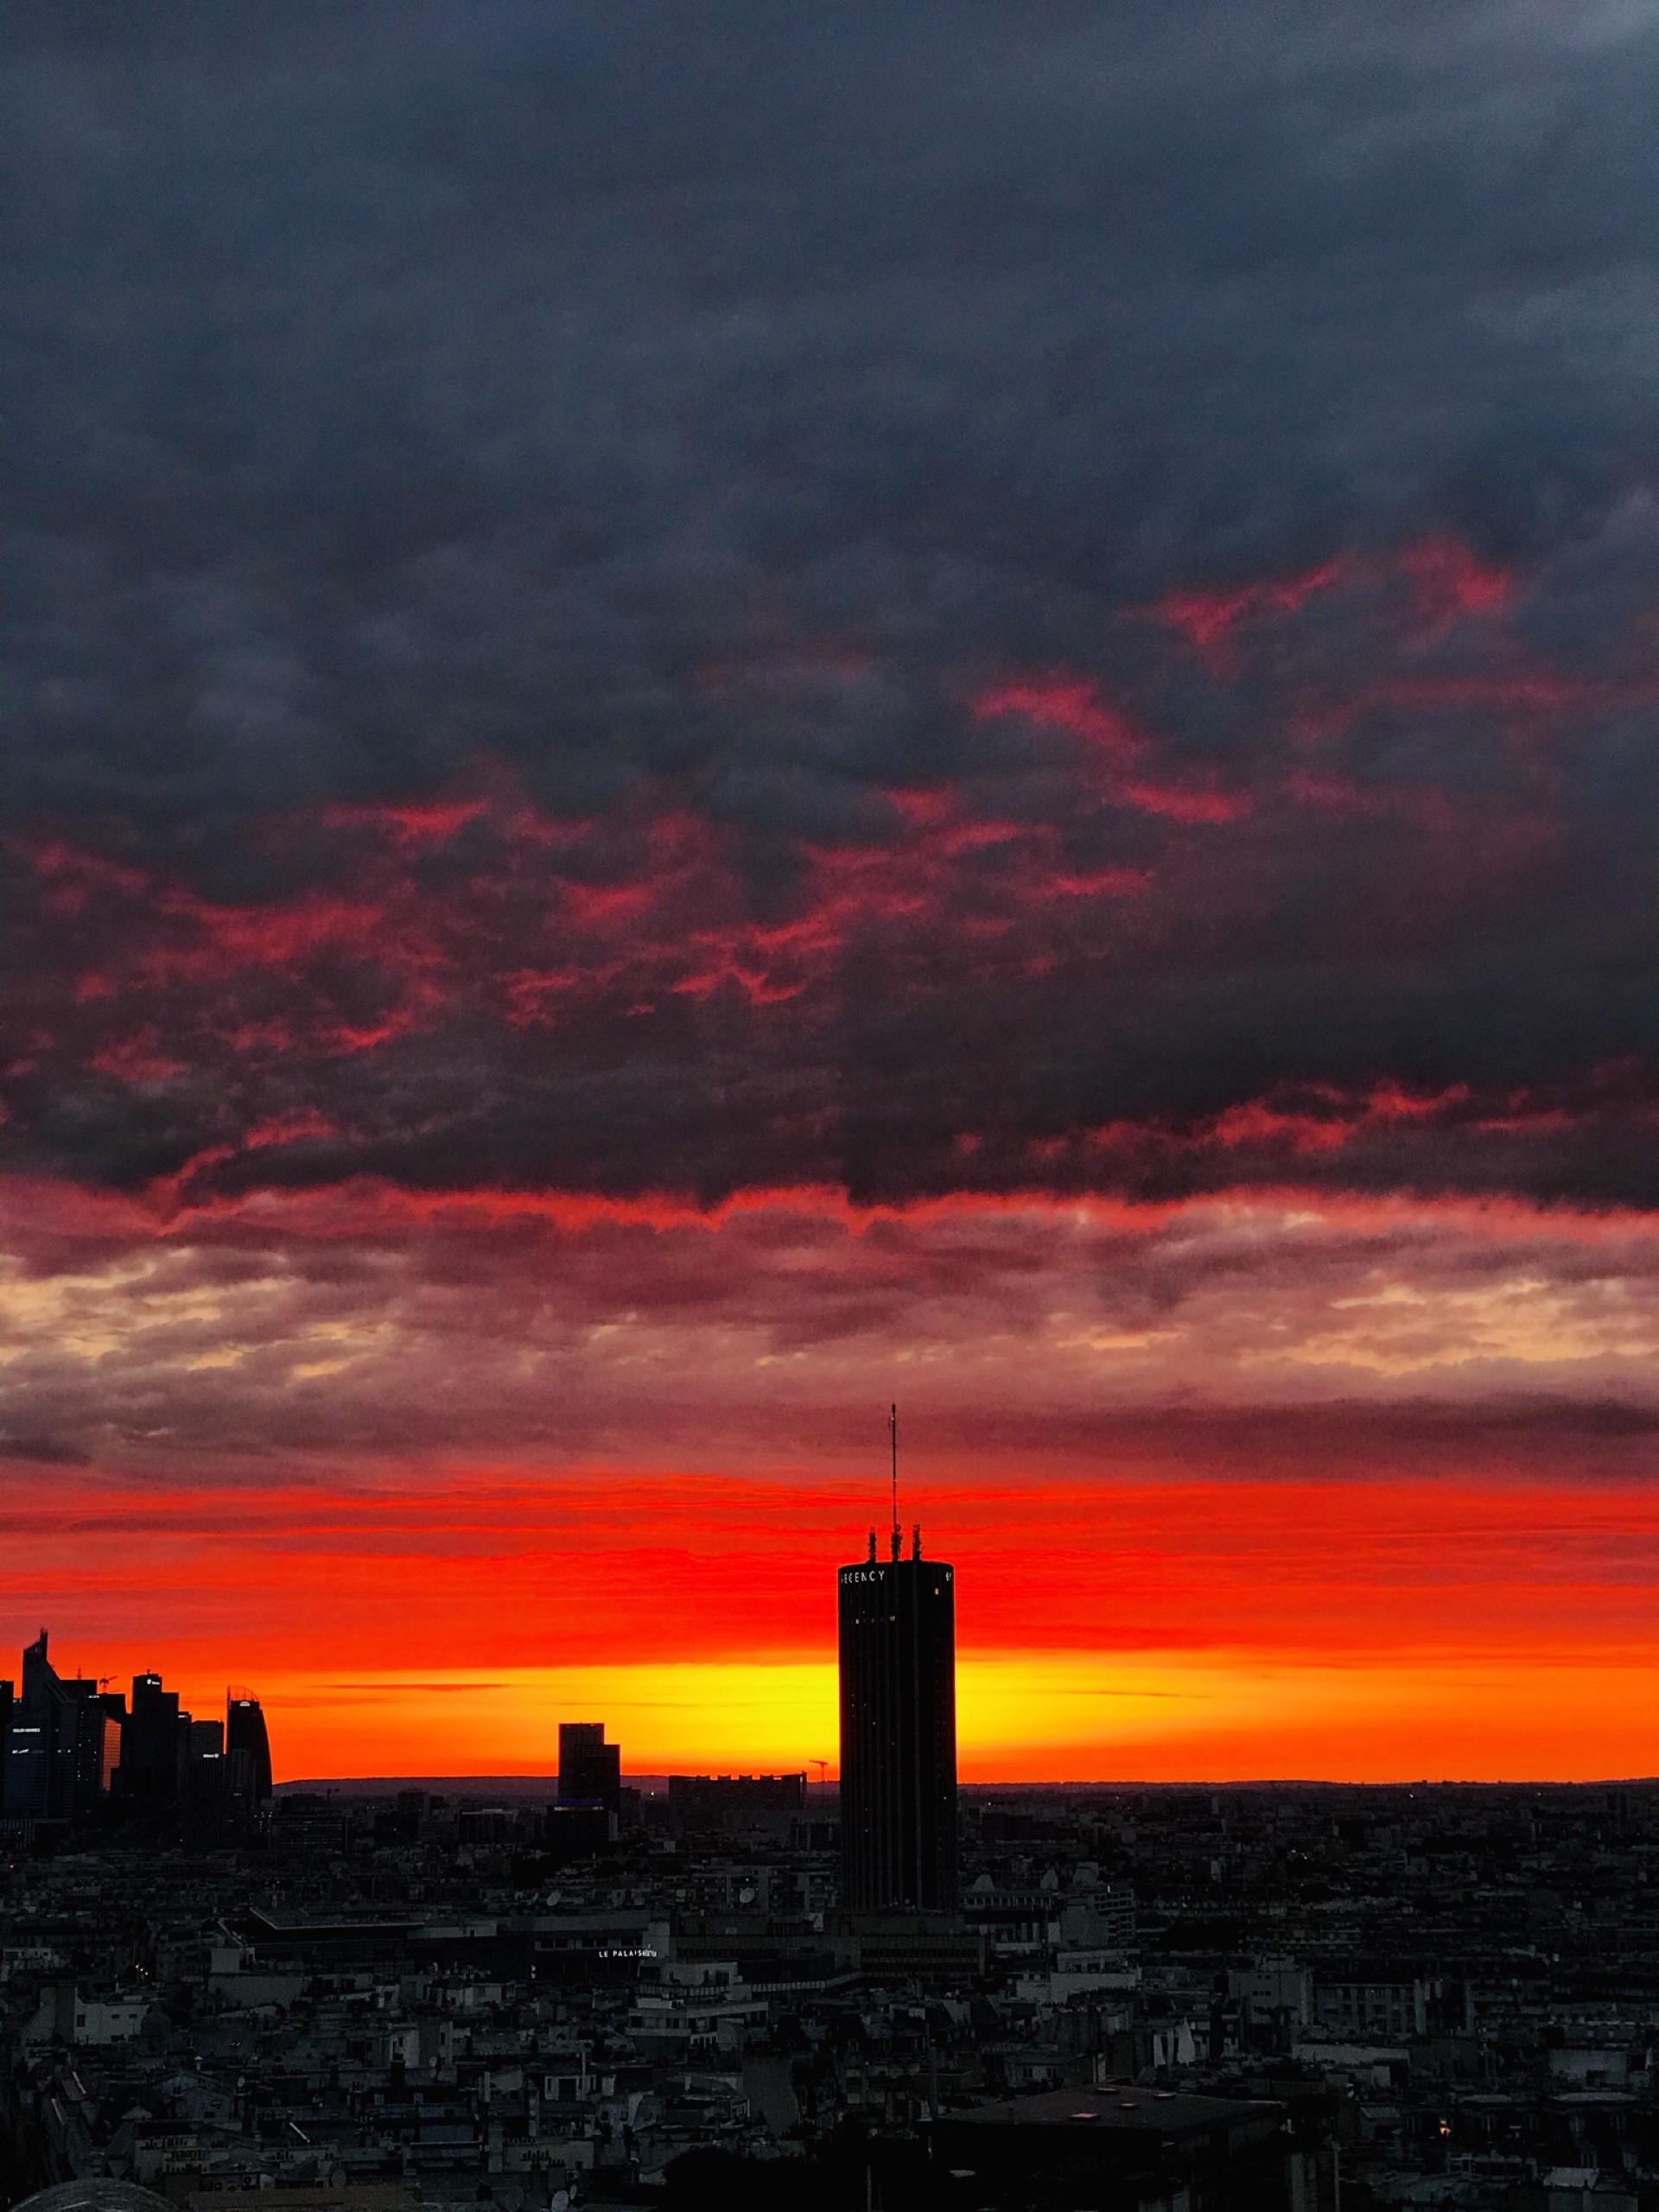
(1290, 1997)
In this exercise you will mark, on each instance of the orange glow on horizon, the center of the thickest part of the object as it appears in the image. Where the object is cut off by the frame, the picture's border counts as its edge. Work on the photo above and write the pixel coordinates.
(1130, 1627)
(1088, 1716)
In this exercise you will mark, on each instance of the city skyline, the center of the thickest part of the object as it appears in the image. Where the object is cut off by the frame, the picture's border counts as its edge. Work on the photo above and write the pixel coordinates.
(713, 720)
(745, 1717)
(80, 1762)
(1034, 1704)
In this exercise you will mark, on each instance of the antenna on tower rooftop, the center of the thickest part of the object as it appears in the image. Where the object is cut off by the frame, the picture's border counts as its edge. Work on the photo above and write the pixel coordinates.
(892, 1440)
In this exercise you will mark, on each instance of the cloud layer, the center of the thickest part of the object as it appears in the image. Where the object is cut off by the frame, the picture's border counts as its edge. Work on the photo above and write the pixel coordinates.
(1280, 1334)
(922, 600)
(714, 712)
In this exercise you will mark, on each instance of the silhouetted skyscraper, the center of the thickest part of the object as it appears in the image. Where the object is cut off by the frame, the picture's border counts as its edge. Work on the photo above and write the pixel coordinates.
(590, 1769)
(54, 1761)
(201, 1794)
(246, 1787)
(245, 1733)
(898, 1733)
(28, 1754)
(150, 1749)
(80, 1754)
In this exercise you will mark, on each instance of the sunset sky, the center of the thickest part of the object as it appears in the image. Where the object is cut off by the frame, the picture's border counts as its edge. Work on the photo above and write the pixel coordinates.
(714, 714)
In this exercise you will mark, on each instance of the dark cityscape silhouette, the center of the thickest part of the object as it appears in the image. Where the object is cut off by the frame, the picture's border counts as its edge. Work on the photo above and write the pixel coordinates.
(77, 1757)
(734, 1989)
(714, 712)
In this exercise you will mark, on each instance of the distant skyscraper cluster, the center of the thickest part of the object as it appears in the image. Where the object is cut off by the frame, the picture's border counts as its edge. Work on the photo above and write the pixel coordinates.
(72, 1752)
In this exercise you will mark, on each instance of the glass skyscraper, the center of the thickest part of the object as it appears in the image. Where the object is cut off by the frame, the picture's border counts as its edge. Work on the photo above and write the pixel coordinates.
(247, 1746)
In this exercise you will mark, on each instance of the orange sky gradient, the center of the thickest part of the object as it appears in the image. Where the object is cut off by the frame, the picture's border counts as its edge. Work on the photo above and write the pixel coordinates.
(1125, 1628)
(942, 733)
(1264, 1483)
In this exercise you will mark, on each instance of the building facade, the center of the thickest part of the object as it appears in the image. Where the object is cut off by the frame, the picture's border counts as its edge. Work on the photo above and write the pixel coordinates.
(732, 1802)
(247, 1747)
(55, 1743)
(590, 1769)
(898, 1641)
(153, 1746)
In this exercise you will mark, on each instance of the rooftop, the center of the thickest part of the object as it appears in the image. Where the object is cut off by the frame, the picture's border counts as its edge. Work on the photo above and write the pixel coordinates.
(1122, 2107)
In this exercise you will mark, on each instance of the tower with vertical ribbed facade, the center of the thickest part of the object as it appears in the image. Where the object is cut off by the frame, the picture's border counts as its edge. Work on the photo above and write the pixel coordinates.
(898, 1641)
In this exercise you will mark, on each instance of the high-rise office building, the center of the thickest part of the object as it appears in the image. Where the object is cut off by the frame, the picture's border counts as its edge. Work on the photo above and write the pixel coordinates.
(246, 1789)
(152, 1755)
(81, 1754)
(54, 1753)
(113, 1706)
(897, 1732)
(245, 1733)
(590, 1769)
(28, 1755)
(201, 1792)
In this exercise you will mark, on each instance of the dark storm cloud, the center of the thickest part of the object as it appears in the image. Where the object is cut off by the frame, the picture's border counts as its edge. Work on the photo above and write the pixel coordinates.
(1204, 453)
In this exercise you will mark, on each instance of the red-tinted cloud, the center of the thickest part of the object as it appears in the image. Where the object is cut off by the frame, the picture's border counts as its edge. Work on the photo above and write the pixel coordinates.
(1120, 936)
(1447, 580)
(1071, 704)
(1030, 789)
(1209, 618)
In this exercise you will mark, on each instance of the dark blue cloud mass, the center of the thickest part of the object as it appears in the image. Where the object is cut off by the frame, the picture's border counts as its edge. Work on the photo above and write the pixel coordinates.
(634, 597)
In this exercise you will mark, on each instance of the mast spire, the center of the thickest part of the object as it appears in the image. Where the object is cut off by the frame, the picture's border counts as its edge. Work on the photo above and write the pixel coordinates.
(892, 1442)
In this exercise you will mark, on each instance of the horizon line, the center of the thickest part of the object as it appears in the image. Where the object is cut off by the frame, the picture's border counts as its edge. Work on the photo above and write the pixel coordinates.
(1059, 1782)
